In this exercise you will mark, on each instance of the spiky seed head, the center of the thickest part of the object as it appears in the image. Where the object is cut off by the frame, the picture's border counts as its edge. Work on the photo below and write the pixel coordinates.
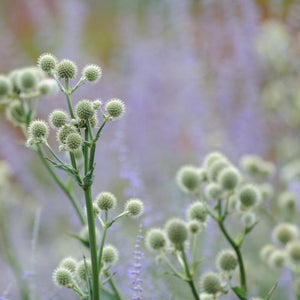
(135, 207)
(5, 86)
(66, 69)
(277, 259)
(110, 254)
(155, 239)
(47, 62)
(58, 118)
(115, 108)
(210, 283)
(216, 167)
(266, 251)
(176, 231)
(97, 104)
(195, 226)
(47, 87)
(293, 251)
(69, 263)
(74, 141)
(106, 201)
(210, 158)
(84, 109)
(285, 232)
(213, 191)
(197, 211)
(227, 260)
(248, 219)
(84, 270)
(287, 201)
(229, 178)
(62, 277)
(188, 178)
(27, 80)
(249, 195)
(92, 73)
(64, 132)
(38, 130)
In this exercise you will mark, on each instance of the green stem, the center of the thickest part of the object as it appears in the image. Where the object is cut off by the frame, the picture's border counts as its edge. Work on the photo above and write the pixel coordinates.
(61, 185)
(113, 286)
(101, 247)
(93, 242)
(189, 275)
(67, 93)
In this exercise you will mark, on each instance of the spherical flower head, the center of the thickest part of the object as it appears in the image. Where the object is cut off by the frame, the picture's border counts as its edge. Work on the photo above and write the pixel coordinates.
(211, 158)
(213, 191)
(74, 141)
(115, 108)
(293, 251)
(229, 178)
(92, 73)
(285, 232)
(58, 118)
(210, 283)
(47, 62)
(27, 80)
(277, 259)
(69, 263)
(48, 87)
(84, 110)
(84, 269)
(5, 86)
(266, 251)
(197, 211)
(249, 195)
(227, 260)
(287, 201)
(97, 104)
(216, 167)
(38, 130)
(63, 277)
(188, 178)
(64, 132)
(106, 201)
(66, 69)
(176, 231)
(135, 207)
(248, 219)
(110, 254)
(155, 239)
(195, 226)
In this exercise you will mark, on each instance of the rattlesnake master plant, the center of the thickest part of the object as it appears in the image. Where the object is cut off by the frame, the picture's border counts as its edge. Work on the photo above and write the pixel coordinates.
(77, 134)
(220, 191)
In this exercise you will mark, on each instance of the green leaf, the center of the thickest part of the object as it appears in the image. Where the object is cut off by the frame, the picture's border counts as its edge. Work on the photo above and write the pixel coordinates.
(106, 295)
(77, 237)
(239, 239)
(249, 229)
(271, 291)
(89, 177)
(239, 292)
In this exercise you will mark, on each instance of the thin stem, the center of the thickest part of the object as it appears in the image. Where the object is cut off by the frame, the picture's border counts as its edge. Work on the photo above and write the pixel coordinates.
(67, 93)
(124, 213)
(164, 257)
(54, 154)
(78, 84)
(93, 242)
(86, 152)
(101, 247)
(61, 185)
(189, 275)
(113, 285)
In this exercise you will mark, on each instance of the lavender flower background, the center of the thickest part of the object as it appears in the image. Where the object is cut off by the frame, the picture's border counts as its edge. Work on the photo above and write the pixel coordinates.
(192, 79)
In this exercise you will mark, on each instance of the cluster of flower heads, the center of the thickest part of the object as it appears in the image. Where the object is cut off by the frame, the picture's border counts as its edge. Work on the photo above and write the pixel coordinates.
(216, 181)
(285, 251)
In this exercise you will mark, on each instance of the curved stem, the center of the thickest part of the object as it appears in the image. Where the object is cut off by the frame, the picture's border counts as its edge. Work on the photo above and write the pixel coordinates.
(188, 274)
(61, 185)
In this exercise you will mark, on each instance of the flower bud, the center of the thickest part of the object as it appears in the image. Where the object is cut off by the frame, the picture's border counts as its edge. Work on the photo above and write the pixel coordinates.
(110, 254)
(58, 118)
(249, 195)
(188, 178)
(74, 141)
(285, 232)
(106, 201)
(66, 69)
(69, 263)
(229, 178)
(210, 283)
(176, 231)
(227, 260)
(115, 108)
(92, 73)
(84, 110)
(213, 191)
(38, 130)
(135, 207)
(293, 251)
(197, 211)
(155, 239)
(47, 62)
(62, 276)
